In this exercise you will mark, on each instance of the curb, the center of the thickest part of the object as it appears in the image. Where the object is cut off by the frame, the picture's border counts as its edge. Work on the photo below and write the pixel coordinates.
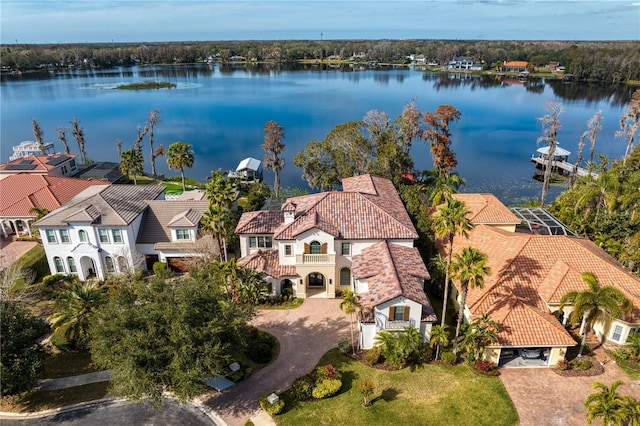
(104, 402)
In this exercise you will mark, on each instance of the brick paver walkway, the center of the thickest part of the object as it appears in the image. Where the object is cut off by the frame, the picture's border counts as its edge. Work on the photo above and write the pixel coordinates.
(305, 334)
(543, 398)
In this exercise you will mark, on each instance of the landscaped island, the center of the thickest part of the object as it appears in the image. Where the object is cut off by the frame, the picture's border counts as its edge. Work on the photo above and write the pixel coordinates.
(146, 85)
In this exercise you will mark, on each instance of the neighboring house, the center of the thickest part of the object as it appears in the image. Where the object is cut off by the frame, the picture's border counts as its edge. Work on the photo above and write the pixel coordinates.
(464, 63)
(117, 229)
(95, 233)
(533, 265)
(30, 148)
(50, 165)
(320, 244)
(19, 193)
(515, 66)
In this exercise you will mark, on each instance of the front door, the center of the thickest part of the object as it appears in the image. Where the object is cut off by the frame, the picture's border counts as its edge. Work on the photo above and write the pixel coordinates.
(316, 279)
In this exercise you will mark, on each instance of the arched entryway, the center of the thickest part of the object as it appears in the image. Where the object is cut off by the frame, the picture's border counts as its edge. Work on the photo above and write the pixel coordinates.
(315, 280)
(88, 268)
(286, 287)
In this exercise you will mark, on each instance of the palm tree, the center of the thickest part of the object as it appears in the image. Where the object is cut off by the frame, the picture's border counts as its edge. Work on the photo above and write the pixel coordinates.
(350, 304)
(450, 221)
(479, 334)
(439, 338)
(441, 187)
(608, 404)
(131, 163)
(470, 270)
(40, 212)
(75, 308)
(594, 303)
(179, 156)
(214, 220)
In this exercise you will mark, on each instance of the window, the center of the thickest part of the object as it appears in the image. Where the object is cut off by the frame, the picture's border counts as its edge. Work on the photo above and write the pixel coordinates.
(315, 248)
(109, 262)
(72, 264)
(64, 236)
(183, 234)
(72, 164)
(104, 235)
(260, 242)
(617, 332)
(345, 276)
(83, 236)
(51, 236)
(288, 250)
(399, 313)
(346, 249)
(64, 170)
(117, 236)
(59, 266)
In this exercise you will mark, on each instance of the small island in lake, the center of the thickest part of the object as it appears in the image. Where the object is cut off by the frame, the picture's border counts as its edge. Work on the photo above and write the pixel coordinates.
(146, 85)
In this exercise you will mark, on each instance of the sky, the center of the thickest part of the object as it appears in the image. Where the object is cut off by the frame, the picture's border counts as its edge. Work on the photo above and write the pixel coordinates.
(82, 21)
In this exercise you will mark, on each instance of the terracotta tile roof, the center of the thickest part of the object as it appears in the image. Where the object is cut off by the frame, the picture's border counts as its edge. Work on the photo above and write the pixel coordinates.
(21, 192)
(516, 64)
(540, 269)
(117, 205)
(373, 210)
(392, 271)
(487, 209)
(37, 163)
(267, 262)
(161, 215)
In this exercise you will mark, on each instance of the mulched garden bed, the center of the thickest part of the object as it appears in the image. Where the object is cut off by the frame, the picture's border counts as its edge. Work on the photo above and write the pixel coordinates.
(595, 370)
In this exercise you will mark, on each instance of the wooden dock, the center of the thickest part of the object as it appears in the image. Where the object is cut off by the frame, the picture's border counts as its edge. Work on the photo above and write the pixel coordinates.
(564, 165)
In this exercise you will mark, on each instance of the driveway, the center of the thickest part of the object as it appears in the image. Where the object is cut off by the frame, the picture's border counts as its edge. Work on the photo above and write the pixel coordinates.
(12, 250)
(305, 334)
(542, 397)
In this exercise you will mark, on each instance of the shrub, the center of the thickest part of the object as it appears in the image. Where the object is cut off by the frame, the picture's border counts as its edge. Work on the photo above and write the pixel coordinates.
(563, 365)
(271, 409)
(372, 356)
(61, 342)
(56, 280)
(582, 364)
(328, 372)
(366, 388)
(448, 357)
(484, 365)
(260, 352)
(302, 387)
(161, 269)
(344, 345)
(326, 387)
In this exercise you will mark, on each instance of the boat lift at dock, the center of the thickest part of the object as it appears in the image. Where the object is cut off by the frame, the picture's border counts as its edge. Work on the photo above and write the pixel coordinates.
(559, 163)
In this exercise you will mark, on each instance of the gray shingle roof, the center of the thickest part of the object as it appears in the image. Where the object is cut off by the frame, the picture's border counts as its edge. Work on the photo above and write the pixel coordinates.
(116, 205)
(162, 214)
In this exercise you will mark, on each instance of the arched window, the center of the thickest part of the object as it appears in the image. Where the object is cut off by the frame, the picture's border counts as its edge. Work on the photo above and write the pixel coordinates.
(345, 277)
(83, 236)
(109, 262)
(72, 264)
(315, 247)
(122, 264)
(59, 265)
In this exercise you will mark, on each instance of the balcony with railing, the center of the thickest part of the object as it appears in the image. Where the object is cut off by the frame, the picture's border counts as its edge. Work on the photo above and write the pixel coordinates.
(399, 325)
(316, 259)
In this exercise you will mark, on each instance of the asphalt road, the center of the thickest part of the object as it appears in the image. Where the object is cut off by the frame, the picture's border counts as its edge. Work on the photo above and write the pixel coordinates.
(123, 414)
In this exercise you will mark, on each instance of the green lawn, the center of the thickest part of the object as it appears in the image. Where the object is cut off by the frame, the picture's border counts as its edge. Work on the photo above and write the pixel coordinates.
(429, 395)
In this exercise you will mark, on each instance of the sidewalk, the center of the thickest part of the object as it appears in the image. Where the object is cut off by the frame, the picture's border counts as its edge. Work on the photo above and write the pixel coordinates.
(69, 382)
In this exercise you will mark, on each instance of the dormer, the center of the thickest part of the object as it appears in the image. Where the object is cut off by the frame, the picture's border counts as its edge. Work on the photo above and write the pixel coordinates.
(289, 209)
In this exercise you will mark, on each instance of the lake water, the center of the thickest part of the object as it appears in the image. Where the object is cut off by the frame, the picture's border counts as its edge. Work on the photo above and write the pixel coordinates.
(222, 112)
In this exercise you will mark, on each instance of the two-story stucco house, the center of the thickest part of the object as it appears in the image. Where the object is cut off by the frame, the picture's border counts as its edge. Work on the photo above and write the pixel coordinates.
(107, 230)
(319, 244)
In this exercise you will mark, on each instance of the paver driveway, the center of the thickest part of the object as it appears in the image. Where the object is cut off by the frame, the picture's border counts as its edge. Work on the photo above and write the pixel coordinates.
(543, 398)
(305, 334)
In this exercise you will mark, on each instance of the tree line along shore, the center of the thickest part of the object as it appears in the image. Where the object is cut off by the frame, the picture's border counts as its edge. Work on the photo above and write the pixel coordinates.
(602, 61)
